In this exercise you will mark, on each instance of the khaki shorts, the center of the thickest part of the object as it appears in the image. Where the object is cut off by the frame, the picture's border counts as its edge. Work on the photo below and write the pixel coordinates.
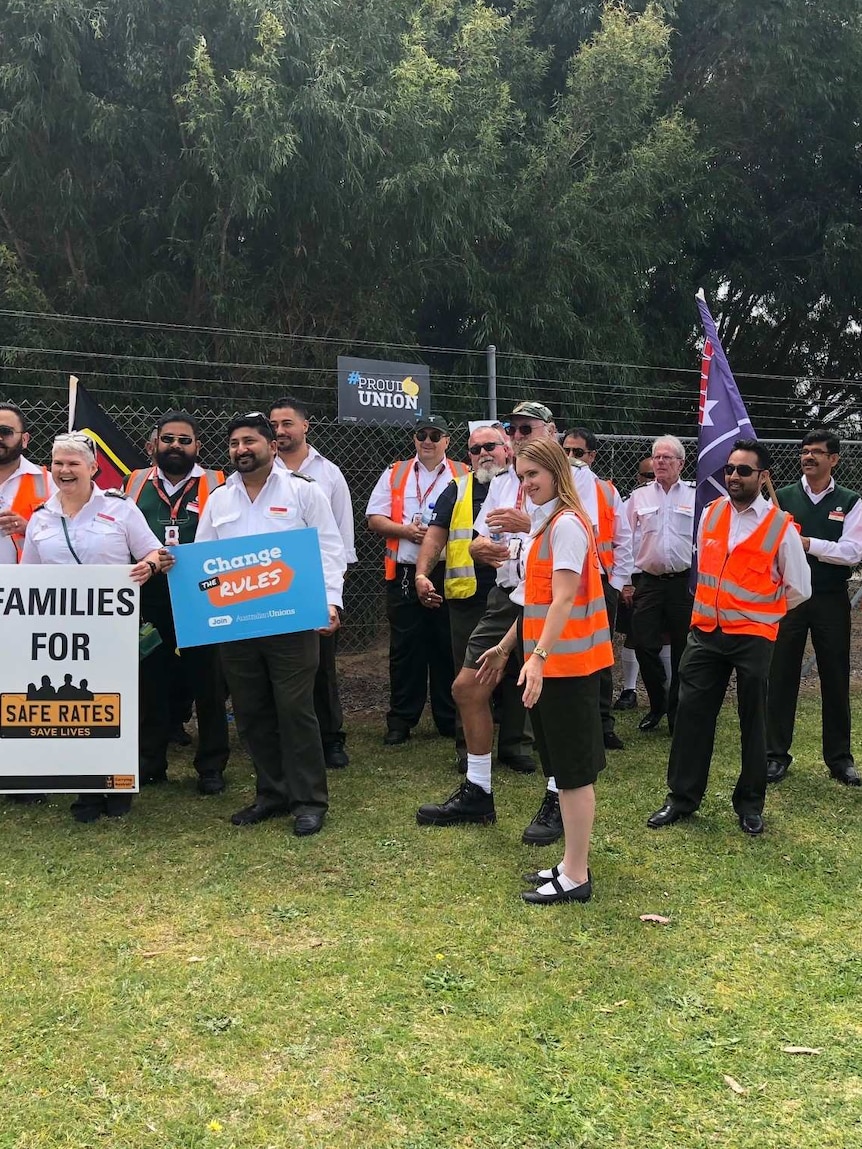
(493, 626)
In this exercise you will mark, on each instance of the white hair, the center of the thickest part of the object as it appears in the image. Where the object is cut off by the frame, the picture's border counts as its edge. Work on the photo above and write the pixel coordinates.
(672, 442)
(75, 441)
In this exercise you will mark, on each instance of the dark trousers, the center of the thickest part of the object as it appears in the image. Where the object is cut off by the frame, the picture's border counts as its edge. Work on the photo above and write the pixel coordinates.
(704, 672)
(606, 676)
(327, 703)
(200, 667)
(271, 681)
(662, 606)
(420, 649)
(826, 615)
(515, 737)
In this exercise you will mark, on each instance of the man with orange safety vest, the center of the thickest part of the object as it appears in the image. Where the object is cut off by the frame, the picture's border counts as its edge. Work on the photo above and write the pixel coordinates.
(172, 495)
(23, 485)
(420, 646)
(752, 569)
(613, 532)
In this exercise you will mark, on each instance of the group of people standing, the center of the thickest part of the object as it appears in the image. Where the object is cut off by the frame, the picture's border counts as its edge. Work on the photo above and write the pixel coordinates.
(504, 580)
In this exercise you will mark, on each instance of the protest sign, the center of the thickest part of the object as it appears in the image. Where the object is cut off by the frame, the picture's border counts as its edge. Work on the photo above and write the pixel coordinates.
(379, 391)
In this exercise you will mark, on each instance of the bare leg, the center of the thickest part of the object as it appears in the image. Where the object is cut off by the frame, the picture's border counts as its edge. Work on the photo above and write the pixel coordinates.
(578, 808)
(472, 699)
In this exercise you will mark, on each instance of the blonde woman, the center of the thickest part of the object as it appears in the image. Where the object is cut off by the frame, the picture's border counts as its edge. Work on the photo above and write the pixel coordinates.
(566, 644)
(81, 524)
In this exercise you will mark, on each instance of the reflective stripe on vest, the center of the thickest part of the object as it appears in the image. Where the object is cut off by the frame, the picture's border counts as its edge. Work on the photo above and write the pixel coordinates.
(605, 492)
(459, 580)
(398, 475)
(33, 490)
(584, 646)
(736, 590)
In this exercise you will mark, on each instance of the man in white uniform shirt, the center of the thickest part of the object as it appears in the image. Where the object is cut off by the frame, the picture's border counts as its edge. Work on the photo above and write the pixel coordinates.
(271, 680)
(420, 643)
(290, 418)
(606, 512)
(23, 485)
(662, 515)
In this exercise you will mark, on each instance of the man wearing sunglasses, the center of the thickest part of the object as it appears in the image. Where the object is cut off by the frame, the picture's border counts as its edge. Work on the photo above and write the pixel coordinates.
(172, 495)
(502, 527)
(830, 518)
(290, 420)
(23, 485)
(606, 512)
(420, 645)
(466, 584)
(751, 571)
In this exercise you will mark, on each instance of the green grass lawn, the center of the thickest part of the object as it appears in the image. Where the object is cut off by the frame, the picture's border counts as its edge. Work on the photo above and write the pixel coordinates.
(171, 981)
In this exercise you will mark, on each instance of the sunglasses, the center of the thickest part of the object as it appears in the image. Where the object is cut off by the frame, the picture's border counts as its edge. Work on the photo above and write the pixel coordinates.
(434, 435)
(524, 428)
(183, 440)
(742, 469)
(646, 475)
(8, 432)
(576, 452)
(478, 448)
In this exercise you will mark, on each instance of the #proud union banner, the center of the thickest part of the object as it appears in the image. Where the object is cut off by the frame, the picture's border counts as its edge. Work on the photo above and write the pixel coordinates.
(249, 587)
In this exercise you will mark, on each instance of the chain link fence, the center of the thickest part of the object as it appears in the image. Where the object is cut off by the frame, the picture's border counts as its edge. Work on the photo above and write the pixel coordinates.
(363, 452)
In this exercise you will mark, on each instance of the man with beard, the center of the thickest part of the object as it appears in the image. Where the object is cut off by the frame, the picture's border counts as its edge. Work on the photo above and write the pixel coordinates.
(502, 527)
(751, 570)
(289, 418)
(23, 485)
(271, 679)
(466, 584)
(172, 495)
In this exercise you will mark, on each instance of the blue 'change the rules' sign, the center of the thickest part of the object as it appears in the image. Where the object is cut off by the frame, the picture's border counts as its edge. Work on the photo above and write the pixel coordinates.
(229, 589)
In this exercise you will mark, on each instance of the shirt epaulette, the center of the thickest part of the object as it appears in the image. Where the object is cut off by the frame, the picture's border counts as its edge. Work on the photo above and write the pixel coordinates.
(41, 507)
(218, 488)
(113, 493)
(305, 478)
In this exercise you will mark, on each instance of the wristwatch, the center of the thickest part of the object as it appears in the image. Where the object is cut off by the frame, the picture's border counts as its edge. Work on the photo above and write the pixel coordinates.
(153, 568)
(541, 652)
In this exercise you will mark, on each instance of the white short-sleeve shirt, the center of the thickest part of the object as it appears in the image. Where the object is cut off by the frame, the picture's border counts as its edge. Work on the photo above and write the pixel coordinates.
(107, 529)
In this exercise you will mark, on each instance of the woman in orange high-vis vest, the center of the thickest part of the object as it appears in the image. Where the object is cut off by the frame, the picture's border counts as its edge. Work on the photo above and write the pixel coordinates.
(566, 644)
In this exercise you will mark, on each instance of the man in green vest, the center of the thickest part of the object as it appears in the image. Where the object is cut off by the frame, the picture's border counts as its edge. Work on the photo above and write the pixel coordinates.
(172, 494)
(830, 522)
(466, 584)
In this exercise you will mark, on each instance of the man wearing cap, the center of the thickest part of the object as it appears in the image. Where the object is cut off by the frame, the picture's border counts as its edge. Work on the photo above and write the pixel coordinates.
(503, 526)
(606, 512)
(420, 647)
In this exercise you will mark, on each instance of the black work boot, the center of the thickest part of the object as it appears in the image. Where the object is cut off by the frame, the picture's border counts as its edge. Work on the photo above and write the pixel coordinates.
(469, 803)
(547, 825)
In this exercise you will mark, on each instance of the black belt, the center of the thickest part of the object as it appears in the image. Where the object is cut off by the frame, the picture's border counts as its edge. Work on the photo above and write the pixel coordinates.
(670, 574)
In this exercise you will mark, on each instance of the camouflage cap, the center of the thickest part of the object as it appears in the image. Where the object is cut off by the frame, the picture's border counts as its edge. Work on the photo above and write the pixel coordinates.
(531, 409)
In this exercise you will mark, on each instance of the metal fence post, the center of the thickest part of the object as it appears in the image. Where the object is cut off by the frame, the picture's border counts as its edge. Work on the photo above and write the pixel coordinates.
(492, 381)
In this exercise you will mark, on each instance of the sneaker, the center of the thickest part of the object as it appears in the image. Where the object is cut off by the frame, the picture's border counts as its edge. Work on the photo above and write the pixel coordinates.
(547, 826)
(628, 700)
(469, 803)
(335, 756)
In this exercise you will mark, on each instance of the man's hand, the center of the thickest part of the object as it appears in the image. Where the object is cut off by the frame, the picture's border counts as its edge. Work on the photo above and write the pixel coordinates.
(510, 520)
(334, 622)
(414, 532)
(627, 594)
(426, 593)
(806, 542)
(487, 552)
(12, 524)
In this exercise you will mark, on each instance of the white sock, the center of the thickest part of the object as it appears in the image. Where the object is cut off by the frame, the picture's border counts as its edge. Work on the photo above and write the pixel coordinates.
(546, 875)
(565, 882)
(551, 785)
(665, 661)
(630, 669)
(479, 771)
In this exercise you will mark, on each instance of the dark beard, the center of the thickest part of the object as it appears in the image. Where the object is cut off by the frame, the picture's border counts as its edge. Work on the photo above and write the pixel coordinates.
(172, 465)
(10, 455)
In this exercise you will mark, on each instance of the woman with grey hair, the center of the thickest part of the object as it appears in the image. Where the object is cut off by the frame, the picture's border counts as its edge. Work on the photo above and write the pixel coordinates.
(83, 525)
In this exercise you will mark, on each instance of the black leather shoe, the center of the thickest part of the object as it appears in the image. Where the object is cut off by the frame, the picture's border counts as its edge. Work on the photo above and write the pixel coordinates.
(547, 824)
(651, 720)
(468, 804)
(520, 763)
(751, 823)
(180, 736)
(395, 737)
(613, 741)
(335, 756)
(581, 893)
(666, 816)
(628, 700)
(154, 778)
(461, 764)
(28, 799)
(117, 805)
(87, 808)
(310, 822)
(212, 783)
(847, 775)
(256, 812)
(775, 771)
(536, 879)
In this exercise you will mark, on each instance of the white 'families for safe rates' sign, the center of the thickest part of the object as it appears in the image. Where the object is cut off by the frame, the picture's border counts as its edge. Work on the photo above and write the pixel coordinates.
(68, 679)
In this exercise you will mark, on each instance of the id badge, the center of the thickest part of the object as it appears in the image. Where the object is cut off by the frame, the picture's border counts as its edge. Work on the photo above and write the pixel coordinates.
(172, 535)
(514, 549)
(417, 519)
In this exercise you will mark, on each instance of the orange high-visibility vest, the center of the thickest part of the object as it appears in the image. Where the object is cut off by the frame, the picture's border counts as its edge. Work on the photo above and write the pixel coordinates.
(399, 473)
(585, 643)
(136, 483)
(737, 590)
(33, 490)
(605, 492)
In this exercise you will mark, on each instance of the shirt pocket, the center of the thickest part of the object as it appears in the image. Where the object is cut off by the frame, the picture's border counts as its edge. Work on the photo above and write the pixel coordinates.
(648, 520)
(45, 532)
(682, 521)
(222, 518)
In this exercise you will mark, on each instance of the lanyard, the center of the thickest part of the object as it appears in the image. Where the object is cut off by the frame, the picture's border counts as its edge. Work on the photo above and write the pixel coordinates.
(175, 506)
(69, 541)
(519, 498)
(419, 494)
